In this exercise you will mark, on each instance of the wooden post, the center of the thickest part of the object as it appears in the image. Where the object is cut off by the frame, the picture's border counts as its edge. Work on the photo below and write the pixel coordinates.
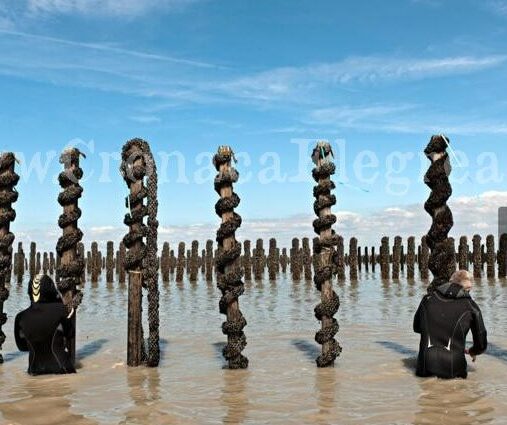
(384, 258)
(284, 260)
(396, 257)
(20, 269)
(425, 253)
(325, 248)
(373, 259)
(209, 260)
(411, 258)
(228, 260)
(121, 260)
(490, 256)
(180, 268)
(194, 267)
(164, 262)
(353, 261)
(135, 280)
(110, 262)
(477, 256)
(70, 268)
(8, 196)
(463, 253)
(272, 263)
(307, 259)
(502, 256)
(295, 261)
(442, 261)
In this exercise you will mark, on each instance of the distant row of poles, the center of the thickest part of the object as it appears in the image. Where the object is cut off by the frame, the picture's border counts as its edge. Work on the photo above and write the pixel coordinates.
(482, 259)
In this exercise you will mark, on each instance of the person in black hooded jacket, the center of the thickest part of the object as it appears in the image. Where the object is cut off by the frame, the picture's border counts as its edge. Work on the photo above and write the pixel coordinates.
(42, 329)
(444, 319)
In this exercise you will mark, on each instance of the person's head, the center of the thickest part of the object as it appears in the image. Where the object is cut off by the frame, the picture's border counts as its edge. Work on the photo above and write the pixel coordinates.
(463, 278)
(42, 289)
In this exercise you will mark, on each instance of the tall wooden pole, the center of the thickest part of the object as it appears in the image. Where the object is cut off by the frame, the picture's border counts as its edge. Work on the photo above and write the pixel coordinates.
(8, 196)
(70, 268)
(325, 250)
(442, 259)
(228, 260)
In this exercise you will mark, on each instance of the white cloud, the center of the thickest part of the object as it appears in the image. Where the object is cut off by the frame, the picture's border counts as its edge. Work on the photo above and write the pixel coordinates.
(471, 215)
(120, 8)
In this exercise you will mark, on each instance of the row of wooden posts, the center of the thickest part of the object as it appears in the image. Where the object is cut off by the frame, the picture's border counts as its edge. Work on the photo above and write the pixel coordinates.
(483, 259)
(138, 259)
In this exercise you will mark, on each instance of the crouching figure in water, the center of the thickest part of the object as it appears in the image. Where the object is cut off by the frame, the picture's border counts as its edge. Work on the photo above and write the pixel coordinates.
(43, 328)
(444, 319)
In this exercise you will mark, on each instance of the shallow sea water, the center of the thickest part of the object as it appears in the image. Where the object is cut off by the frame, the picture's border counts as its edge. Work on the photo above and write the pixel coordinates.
(373, 381)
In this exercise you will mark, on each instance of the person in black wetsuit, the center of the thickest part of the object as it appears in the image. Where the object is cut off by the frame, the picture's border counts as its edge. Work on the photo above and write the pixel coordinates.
(42, 329)
(444, 319)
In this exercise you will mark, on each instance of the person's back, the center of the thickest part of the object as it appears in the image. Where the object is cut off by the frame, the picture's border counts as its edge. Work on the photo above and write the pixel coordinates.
(444, 319)
(42, 328)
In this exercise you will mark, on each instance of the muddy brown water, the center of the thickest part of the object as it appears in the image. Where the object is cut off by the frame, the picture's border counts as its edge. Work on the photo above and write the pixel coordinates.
(373, 381)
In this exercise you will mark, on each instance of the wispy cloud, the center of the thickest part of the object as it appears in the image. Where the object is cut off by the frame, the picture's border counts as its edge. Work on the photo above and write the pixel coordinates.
(145, 119)
(403, 118)
(498, 6)
(120, 8)
(282, 83)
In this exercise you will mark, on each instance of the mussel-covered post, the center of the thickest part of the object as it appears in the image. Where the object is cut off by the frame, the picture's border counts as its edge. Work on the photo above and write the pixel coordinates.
(325, 250)
(411, 258)
(228, 261)
(8, 195)
(141, 260)
(442, 259)
(70, 269)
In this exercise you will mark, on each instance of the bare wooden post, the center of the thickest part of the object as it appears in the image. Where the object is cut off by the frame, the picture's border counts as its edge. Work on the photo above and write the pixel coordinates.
(70, 269)
(38, 266)
(228, 261)
(490, 256)
(8, 195)
(373, 259)
(477, 256)
(324, 248)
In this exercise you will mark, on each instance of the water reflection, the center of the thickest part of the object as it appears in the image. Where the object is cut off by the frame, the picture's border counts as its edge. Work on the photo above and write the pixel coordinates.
(144, 392)
(453, 402)
(43, 401)
(326, 385)
(235, 396)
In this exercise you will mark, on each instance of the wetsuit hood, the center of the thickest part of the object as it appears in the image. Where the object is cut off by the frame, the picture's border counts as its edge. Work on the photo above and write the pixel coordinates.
(42, 289)
(452, 290)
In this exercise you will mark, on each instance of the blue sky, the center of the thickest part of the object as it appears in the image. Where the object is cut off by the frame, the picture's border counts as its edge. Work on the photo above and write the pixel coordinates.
(189, 75)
